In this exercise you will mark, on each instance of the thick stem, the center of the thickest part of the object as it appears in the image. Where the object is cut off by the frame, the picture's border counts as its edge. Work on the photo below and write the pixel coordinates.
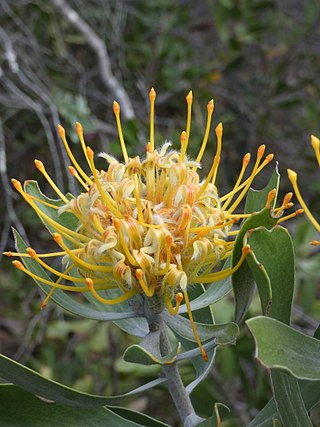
(175, 385)
(151, 310)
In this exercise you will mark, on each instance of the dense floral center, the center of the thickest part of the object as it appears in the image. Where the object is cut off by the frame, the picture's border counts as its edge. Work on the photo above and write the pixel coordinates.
(153, 222)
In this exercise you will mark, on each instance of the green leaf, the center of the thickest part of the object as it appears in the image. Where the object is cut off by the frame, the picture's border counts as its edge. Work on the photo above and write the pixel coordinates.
(220, 411)
(224, 333)
(317, 333)
(310, 392)
(33, 382)
(280, 346)
(138, 417)
(274, 254)
(262, 281)
(257, 199)
(64, 300)
(203, 314)
(272, 265)
(148, 351)
(137, 354)
(242, 279)
(289, 401)
(137, 326)
(21, 408)
(67, 219)
(194, 351)
(212, 293)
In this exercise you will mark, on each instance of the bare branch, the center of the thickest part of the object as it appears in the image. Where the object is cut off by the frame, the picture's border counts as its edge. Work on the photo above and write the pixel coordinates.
(97, 44)
(11, 216)
(9, 55)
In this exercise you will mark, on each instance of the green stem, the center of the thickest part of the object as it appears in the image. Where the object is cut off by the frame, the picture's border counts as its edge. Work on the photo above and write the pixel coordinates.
(175, 385)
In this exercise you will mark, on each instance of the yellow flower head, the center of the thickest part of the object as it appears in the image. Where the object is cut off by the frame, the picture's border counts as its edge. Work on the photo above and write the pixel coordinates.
(293, 177)
(149, 226)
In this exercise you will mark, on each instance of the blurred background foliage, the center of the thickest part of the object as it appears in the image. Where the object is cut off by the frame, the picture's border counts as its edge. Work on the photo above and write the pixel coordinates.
(62, 61)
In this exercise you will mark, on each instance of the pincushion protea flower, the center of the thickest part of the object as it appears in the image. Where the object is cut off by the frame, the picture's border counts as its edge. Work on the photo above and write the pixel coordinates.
(293, 177)
(148, 226)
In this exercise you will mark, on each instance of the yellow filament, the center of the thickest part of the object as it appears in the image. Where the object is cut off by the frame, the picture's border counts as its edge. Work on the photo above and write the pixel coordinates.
(71, 239)
(214, 263)
(56, 225)
(152, 97)
(71, 156)
(105, 196)
(179, 264)
(249, 181)
(51, 254)
(210, 108)
(148, 291)
(41, 168)
(213, 257)
(233, 233)
(183, 144)
(205, 228)
(227, 254)
(287, 198)
(79, 130)
(294, 214)
(118, 300)
(46, 300)
(148, 225)
(219, 131)
(49, 295)
(78, 261)
(215, 171)
(281, 209)
(116, 110)
(316, 147)
(67, 233)
(168, 257)
(271, 197)
(124, 245)
(293, 179)
(286, 204)
(169, 195)
(195, 333)
(245, 162)
(150, 180)
(53, 223)
(34, 255)
(173, 310)
(214, 277)
(21, 267)
(44, 203)
(187, 231)
(74, 173)
(266, 161)
(189, 99)
(161, 185)
(97, 224)
(237, 215)
(208, 179)
(137, 196)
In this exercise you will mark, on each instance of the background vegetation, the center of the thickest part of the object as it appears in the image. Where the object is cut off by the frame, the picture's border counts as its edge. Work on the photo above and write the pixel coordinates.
(66, 61)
